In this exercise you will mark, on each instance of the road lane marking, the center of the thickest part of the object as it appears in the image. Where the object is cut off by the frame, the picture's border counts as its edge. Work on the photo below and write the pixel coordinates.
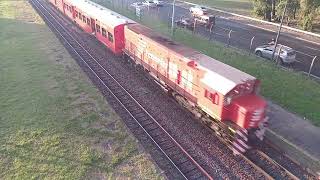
(304, 54)
(315, 49)
(307, 40)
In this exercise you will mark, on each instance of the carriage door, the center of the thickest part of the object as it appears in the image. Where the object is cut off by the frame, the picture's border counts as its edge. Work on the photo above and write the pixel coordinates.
(93, 25)
(73, 12)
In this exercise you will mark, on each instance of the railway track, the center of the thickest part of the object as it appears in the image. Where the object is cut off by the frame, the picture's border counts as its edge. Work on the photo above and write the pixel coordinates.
(182, 163)
(177, 157)
(273, 164)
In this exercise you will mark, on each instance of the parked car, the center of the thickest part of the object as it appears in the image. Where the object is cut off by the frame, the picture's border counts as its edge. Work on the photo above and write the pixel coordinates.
(158, 2)
(206, 20)
(198, 10)
(137, 5)
(150, 4)
(185, 23)
(287, 54)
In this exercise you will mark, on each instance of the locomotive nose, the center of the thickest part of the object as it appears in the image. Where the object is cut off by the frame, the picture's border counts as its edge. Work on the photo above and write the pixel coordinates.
(249, 111)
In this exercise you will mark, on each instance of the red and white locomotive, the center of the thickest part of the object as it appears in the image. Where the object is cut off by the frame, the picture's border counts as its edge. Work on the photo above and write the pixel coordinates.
(224, 98)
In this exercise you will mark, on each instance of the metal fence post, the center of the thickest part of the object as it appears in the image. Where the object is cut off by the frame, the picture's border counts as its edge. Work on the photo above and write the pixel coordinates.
(229, 37)
(169, 20)
(277, 60)
(310, 69)
(251, 43)
(194, 26)
(210, 36)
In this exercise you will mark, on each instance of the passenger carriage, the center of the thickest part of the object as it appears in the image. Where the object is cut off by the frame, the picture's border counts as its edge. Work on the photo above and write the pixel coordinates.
(106, 25)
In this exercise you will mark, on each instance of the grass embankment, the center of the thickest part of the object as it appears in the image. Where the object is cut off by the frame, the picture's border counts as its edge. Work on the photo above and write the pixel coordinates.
(236, 6)
(291, 90)
(53, 123)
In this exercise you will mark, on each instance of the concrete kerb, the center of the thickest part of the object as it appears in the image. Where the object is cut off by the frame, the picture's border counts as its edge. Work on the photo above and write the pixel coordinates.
(258, 20)
(294, 152)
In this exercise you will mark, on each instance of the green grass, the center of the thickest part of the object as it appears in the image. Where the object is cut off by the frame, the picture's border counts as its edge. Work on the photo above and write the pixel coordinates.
(236, 6)
(291, 90)
(53, 123)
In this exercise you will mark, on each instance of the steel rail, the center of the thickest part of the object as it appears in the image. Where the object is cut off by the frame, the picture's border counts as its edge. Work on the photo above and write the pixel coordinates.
(205, 173)
(277, 164)
(246, 159)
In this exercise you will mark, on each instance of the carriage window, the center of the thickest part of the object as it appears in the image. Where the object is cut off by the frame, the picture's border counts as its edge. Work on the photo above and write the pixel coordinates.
(88, 21)
(76, 13)
(104, 32)
(110, 37)
(98, 28)
(213, 97)
(84, 18)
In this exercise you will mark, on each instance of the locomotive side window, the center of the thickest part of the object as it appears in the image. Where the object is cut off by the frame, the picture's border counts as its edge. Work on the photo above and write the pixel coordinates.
(110, 37)
(213, 97)
(104, 32)
(98, 28)
(88, 21)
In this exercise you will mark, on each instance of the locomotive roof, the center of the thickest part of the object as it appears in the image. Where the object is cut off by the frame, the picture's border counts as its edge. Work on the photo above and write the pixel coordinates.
(219, 76)
(104, 15)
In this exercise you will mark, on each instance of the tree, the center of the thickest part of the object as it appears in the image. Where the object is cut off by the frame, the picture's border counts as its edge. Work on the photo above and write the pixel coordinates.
(292, 8)
(308, 13)
(262, 8)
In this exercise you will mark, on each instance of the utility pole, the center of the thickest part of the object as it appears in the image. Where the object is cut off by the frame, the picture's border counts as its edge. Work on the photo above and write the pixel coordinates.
(172, 18)
(279, 30)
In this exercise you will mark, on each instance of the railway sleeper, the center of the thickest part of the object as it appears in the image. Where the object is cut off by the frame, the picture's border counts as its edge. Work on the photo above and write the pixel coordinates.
(146, 123)
(195, 175)
(150, 126)
(188, 166)
(157, 133)
(142, 118)
(166, 147)
(152, 129)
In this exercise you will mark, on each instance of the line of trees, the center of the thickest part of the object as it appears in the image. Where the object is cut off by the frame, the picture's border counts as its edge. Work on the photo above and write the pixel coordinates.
(304, 12)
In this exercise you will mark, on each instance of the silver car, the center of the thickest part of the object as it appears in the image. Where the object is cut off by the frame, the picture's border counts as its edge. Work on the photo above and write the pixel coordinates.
(287, 54)
(150, 4)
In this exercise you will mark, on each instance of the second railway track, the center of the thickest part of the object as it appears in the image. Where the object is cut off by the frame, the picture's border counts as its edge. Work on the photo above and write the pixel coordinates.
(182, 163)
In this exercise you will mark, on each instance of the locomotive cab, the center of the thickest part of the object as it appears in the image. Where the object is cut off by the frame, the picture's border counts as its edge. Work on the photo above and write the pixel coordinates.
(244, 106)
(247, 111)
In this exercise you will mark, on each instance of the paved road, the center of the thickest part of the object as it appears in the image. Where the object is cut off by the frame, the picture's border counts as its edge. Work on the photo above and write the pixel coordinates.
(242, 34)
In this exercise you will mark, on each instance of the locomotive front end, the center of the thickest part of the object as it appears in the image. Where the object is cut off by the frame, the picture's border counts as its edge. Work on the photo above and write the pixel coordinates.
(248, 111)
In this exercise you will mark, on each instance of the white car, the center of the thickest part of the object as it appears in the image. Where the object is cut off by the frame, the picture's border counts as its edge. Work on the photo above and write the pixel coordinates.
(287, 54)
(137, 5)
(158, 3)
(150, 4)
(198, 10)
